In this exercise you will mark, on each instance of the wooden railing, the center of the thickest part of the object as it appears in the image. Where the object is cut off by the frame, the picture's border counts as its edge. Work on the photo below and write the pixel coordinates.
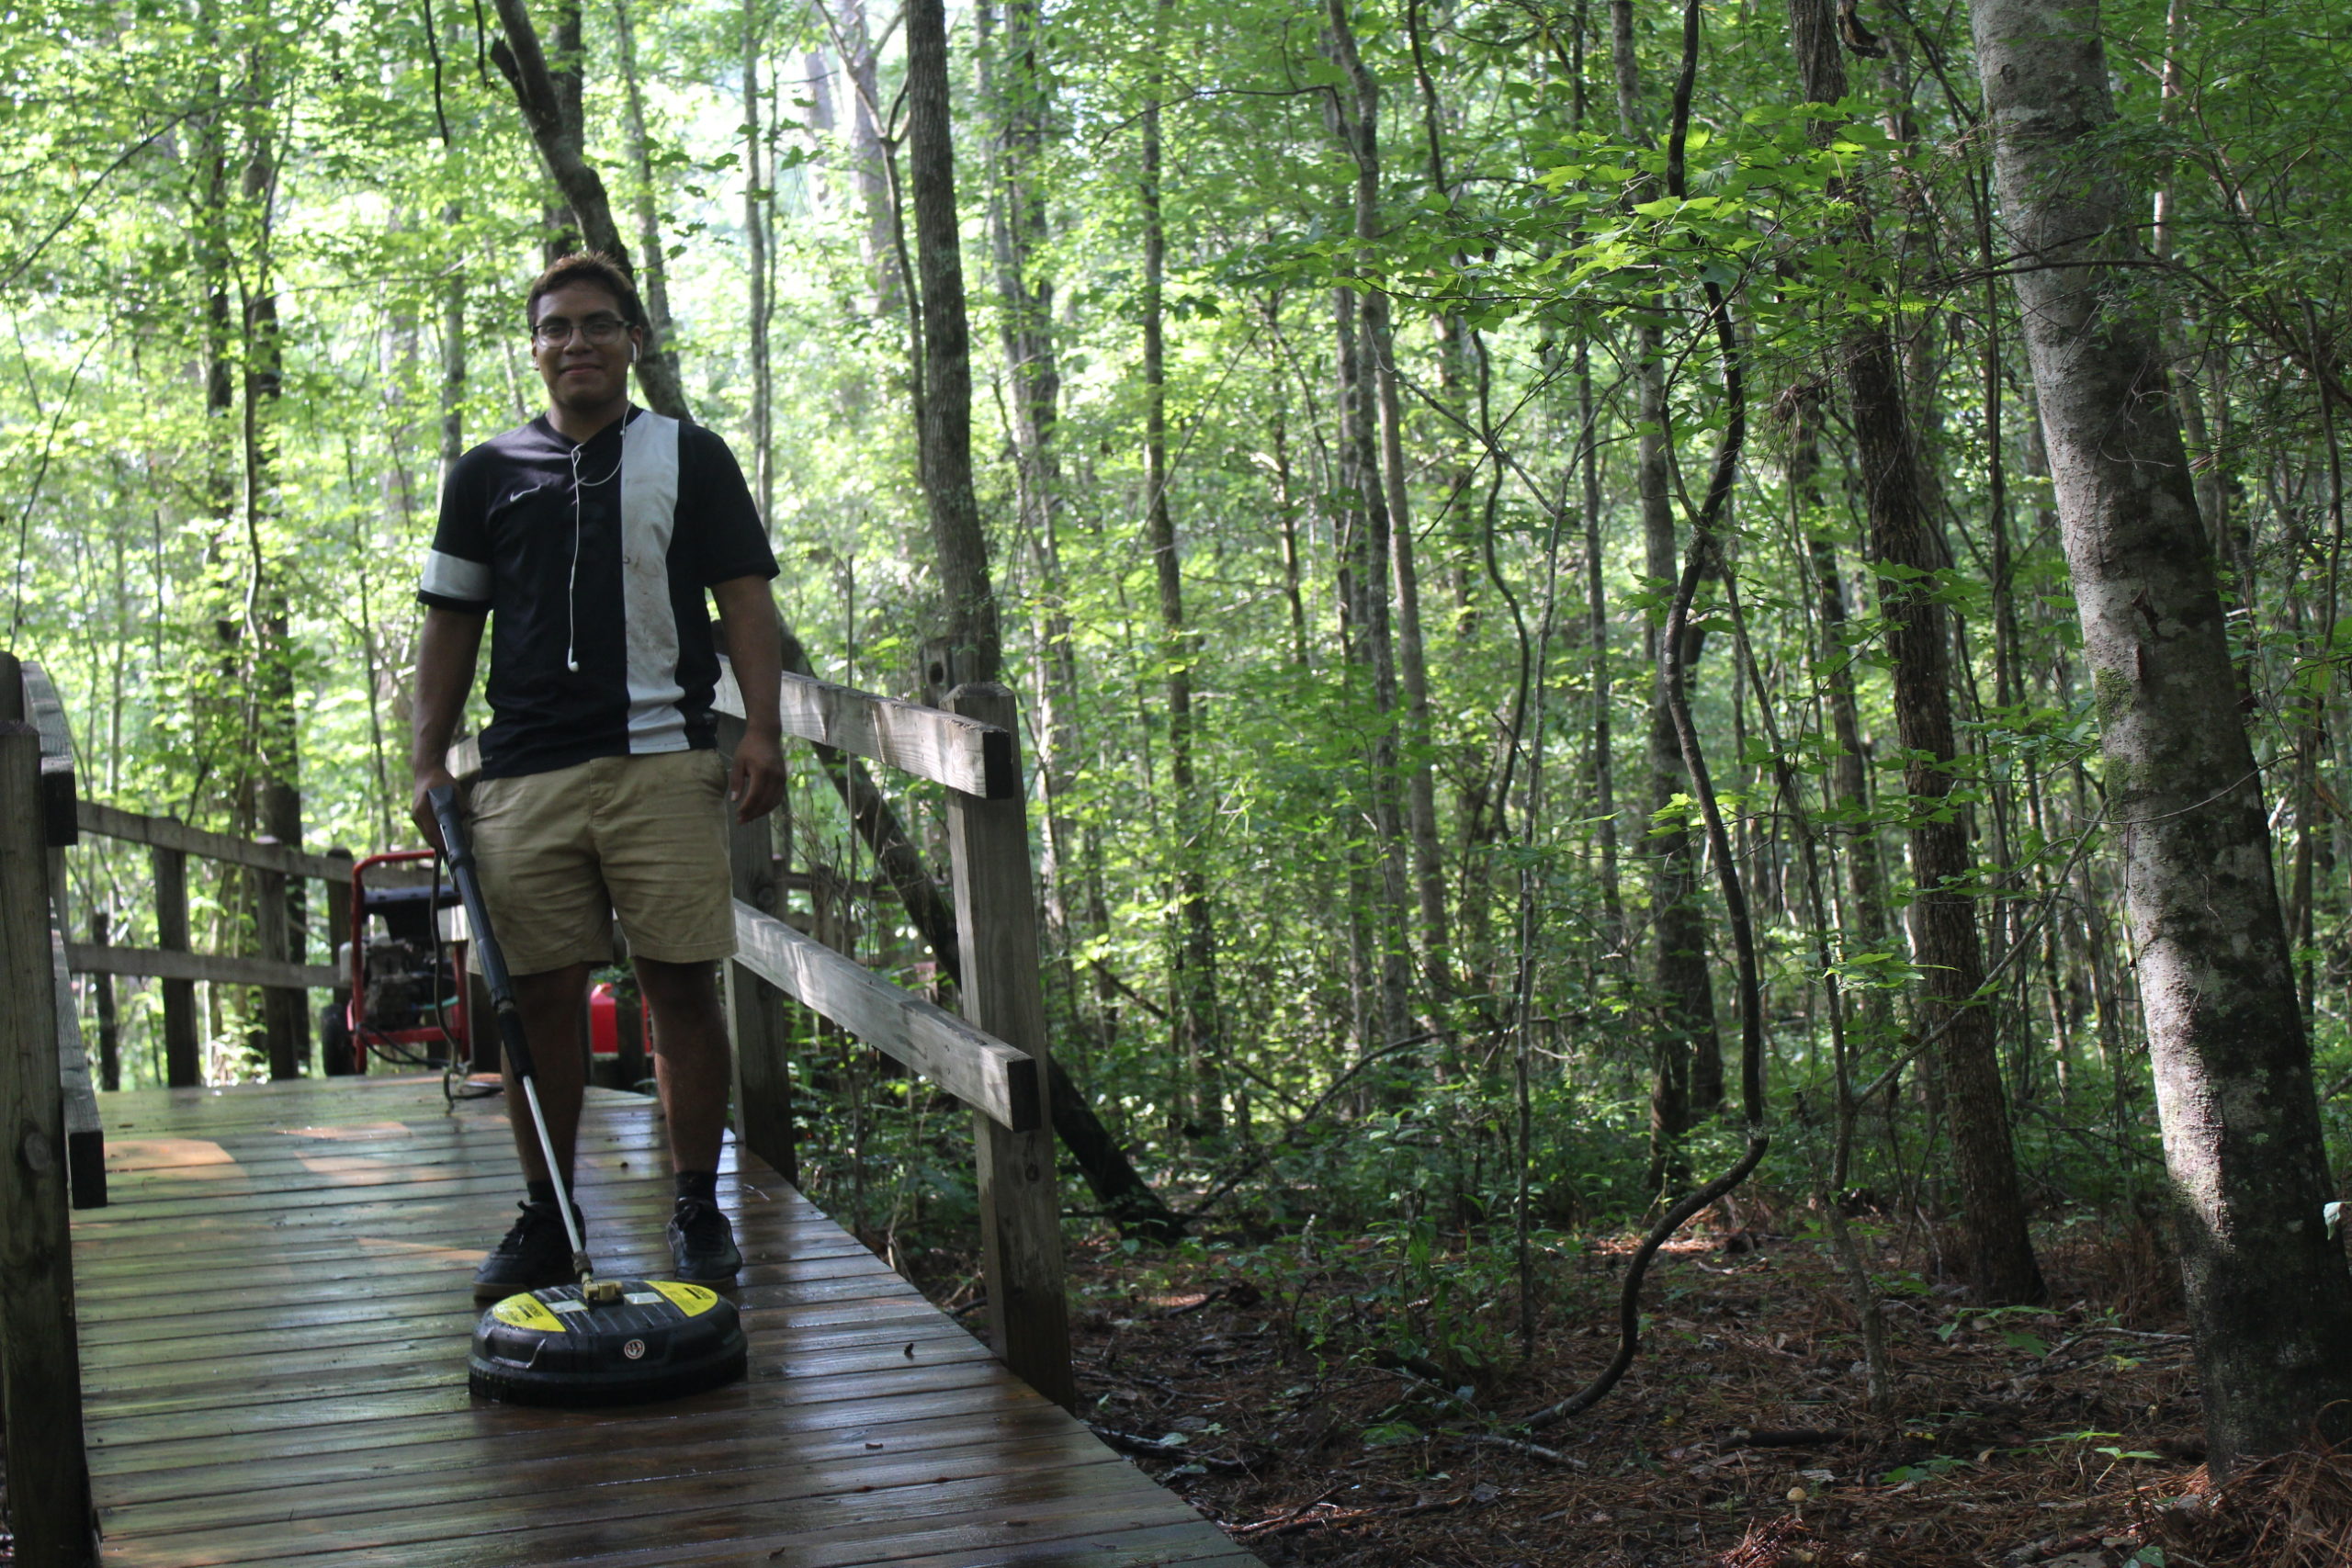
(285, 981)
(41, 1378)
(995, 1058)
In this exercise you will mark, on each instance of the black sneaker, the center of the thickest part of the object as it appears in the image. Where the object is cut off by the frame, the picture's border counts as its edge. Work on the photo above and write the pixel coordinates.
(535, 1253)
(702, 1244)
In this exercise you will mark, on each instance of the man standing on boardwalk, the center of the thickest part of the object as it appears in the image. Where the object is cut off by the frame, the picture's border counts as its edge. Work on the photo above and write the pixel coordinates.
(587, 539)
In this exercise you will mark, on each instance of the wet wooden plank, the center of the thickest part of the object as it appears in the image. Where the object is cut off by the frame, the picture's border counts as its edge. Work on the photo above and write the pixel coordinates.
(706, 1438)
(275, 1324)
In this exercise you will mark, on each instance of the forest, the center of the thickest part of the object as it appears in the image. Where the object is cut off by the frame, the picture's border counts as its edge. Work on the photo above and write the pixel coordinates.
(1675, 660)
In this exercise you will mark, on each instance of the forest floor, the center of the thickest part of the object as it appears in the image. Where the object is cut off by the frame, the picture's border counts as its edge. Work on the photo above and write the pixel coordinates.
(1280, 1391)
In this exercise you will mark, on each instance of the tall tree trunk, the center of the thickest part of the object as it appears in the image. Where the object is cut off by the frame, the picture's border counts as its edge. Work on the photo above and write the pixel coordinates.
(2268, 1297)
(1016, 89)
(453, 358)
(1597, 671)
(1947, 944)
(1848, 779)
(1286, 506)
(278, 767)
(1383, 894)
(1379, 349)
(945, 439)
(1686, 1068)
(653, 269)
(1368, 557)
(568, 77)
(1198, 1038)
(1687, 1080)
(870, 161)
(758, 202)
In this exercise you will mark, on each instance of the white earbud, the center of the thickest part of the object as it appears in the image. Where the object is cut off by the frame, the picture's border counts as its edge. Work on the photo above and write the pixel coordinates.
(632, 354)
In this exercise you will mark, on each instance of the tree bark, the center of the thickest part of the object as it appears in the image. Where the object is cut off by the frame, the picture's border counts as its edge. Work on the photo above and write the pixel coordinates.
(945, 441)
(1019, 230)
(1412, 665)
(1687, 1062)
(268, 624)
(654, 270)
(1362, 322)
(2269, 1300)
(1946, 943)
(870, 161)
(1596, 654)
(758, 202)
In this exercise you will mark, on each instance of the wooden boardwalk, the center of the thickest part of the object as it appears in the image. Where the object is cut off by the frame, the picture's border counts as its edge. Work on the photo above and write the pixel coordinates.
(275, 1312)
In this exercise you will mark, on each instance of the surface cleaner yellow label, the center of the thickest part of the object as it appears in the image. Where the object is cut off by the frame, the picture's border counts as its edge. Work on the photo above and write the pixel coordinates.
(691, 1300)
(530, 1312)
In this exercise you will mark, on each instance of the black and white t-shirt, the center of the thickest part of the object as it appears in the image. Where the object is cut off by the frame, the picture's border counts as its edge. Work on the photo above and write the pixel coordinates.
(591, 561)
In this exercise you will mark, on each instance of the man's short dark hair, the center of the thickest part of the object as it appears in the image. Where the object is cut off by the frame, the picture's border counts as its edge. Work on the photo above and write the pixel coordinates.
(594, 268)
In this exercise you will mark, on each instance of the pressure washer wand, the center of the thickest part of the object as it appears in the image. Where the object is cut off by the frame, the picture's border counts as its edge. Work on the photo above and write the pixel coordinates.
(460, 856)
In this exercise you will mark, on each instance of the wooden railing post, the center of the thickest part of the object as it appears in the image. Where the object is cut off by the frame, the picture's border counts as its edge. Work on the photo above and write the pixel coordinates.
(996, 928)
(629, 1041)
(182, 1069)
(41, 1380)
(102, 993)
(754, 1008)
(338, 1063)
(283, 1011)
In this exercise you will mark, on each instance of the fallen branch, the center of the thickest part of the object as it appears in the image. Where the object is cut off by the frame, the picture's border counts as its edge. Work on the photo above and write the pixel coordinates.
(1789, 1438)
(1512, 1445)
(1151, 1448)
(1338, 1518)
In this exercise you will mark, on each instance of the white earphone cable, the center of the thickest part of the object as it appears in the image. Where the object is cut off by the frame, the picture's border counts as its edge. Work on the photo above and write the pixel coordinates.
(572, 588)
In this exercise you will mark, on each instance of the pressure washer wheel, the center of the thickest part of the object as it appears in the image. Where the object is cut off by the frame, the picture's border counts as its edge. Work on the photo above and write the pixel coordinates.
(660, 1340)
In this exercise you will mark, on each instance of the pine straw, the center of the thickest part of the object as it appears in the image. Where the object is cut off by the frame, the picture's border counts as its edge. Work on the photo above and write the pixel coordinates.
(1741, 1439)
(1785, 1542)
(2292, 1511)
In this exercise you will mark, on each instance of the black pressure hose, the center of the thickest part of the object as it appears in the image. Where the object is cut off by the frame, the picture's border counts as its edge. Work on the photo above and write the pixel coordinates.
(456, 849)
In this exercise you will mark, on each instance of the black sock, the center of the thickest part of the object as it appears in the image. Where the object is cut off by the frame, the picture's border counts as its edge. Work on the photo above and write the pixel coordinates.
(541, 1192)
(700, 1185)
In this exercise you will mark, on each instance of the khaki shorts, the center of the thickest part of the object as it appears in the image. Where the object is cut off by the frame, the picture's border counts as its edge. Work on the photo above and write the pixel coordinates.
(642, 837)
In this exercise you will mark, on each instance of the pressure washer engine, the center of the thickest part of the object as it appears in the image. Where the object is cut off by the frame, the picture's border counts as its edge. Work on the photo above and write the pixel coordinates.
(599, 1341)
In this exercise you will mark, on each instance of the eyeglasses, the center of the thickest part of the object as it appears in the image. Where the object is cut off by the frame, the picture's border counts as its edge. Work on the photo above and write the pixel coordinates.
(602, 332)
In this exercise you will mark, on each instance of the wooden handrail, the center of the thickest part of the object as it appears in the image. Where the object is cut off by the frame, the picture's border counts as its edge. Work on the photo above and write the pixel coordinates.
(86, 1151)
(977, 1068)
(172, 842)
(170, 833)
(225, 969)
(46, 714)
(977, 759)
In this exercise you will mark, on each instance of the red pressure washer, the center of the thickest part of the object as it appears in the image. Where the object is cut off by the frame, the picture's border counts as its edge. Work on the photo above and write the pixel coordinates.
(600, 1341)
(406, 993)
(404, 997)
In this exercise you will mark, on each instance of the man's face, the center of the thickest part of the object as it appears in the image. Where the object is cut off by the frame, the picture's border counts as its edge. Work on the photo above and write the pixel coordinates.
(583, 373)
